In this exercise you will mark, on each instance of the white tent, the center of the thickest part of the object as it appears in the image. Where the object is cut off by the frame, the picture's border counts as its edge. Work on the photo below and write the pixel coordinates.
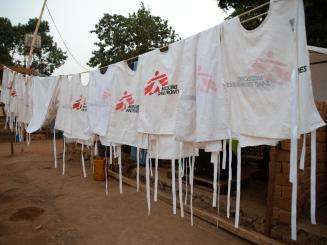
(318, 63)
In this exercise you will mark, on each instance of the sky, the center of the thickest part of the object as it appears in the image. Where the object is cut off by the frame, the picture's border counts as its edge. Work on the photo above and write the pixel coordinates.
(76, 18)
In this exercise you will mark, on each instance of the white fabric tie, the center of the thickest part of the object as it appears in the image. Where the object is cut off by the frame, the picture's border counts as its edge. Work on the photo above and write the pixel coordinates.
(96, 151)
(214, 161)
(150, 167)
(293, 154)
(302, 160)
(147, 180)
(28, 138)
(229, 176)
(120, 170)
(192, 162)
(7, 120)
(186, 180)
(106, 171)
(238, 186)
(63, 158)
(224, 154)
(54, 148)
(156, 171)
(180, 184)
(137, 169)
(83, 163)
(313, 178)
(173, 185)
(11, 122)
(218, 194)
(114, 151)
(110, 154)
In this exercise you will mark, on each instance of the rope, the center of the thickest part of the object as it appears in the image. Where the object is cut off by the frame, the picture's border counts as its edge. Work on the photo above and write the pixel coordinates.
(63, 41)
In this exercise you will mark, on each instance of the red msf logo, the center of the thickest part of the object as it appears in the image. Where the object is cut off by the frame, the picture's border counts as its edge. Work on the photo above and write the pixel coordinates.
(206, 83)
(105, 95)
(80, 104)
(12, 92)
(273, 70)
(155, 84)
(124, 102)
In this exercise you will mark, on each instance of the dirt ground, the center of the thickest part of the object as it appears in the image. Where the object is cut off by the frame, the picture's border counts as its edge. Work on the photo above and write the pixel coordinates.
(40, 206)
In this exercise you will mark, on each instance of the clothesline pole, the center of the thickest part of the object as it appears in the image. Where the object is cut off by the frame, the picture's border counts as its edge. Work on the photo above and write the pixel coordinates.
(29, 61)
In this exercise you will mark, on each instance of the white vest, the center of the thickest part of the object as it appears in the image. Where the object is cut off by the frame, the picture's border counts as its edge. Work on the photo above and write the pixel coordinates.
(124, 108)
(43, 92)
(99, 94)
(63, 119)
(6, 80)
(79, 105)
(160, 84)
(257, 69)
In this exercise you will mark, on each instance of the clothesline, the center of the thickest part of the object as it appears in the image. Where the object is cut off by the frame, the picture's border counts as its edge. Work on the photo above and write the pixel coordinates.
(165, 46)
(162, 47)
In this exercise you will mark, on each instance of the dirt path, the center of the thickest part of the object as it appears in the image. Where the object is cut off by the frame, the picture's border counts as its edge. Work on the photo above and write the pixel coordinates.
(40, 206)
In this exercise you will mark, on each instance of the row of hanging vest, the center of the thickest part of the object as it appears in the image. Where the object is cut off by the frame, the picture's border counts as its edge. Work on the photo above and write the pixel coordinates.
(224, 83)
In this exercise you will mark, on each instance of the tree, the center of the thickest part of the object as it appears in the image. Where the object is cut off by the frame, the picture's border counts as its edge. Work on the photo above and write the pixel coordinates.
(13, 52)
(316, 22)
(124, 37)
(7, 38)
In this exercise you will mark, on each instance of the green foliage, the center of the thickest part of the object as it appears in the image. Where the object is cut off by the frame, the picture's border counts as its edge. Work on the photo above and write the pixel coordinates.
(7, 37)
(315, 15)
(49, 57)
(124, 37)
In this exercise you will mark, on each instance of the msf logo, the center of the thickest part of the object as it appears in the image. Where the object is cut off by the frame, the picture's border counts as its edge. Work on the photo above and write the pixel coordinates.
(124, 101)
(127, 104)
(272, 69)
(206, 81)
(155, 84)
(12, 91)
(80, 104)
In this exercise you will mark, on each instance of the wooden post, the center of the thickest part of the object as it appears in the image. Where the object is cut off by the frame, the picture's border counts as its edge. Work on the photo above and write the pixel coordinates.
(271, 190)
(29, 61)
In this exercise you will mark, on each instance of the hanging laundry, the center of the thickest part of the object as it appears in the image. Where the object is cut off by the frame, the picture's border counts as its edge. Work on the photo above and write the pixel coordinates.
(159, 79)
(64, 115)
(124, 108)
(203, 113)
(258, 78)
(160, 91)
(99, 100)
(269, 84)
(7, 78)
(160, 88)
(21, 92)
(15, 94)
(222, 84)
(79, 106)
(43, 91)
(124, 112)
(26, 111)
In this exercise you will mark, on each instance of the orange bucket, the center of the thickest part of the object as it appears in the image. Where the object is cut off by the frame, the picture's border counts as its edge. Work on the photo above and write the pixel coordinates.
(98, 171)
